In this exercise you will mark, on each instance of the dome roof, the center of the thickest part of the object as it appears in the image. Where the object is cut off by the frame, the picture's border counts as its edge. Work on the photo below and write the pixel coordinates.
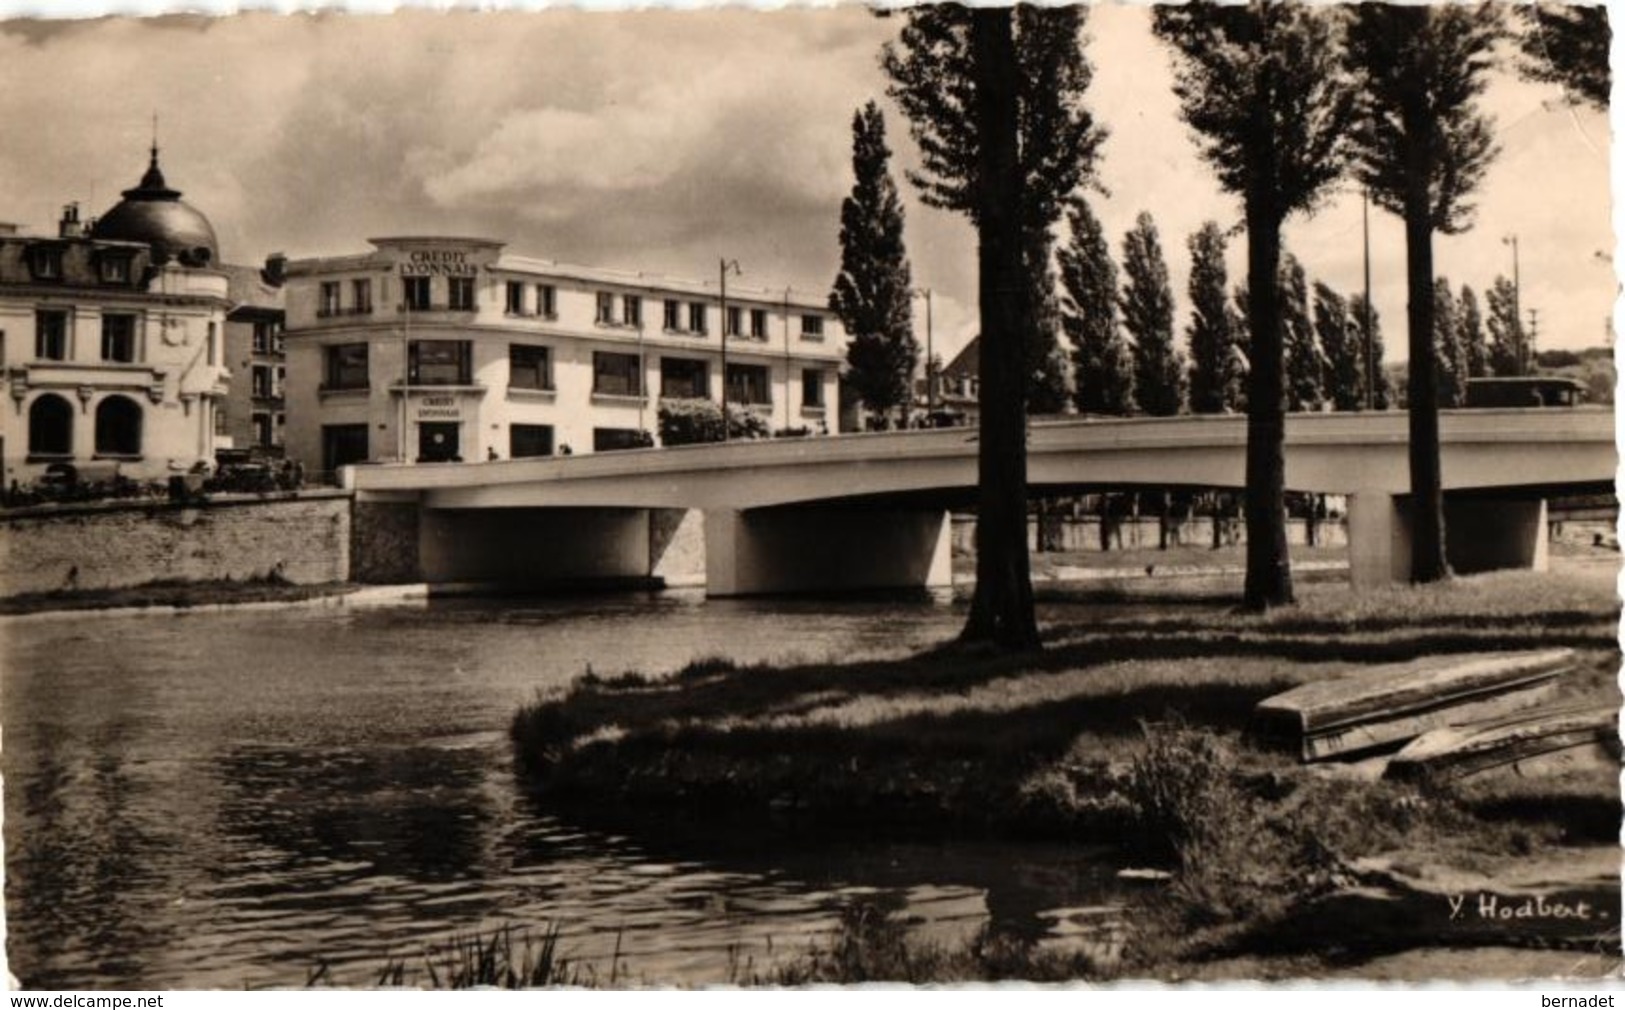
(156, 215)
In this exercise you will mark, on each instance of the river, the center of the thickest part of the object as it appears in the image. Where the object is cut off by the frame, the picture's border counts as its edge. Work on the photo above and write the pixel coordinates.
(232, 798)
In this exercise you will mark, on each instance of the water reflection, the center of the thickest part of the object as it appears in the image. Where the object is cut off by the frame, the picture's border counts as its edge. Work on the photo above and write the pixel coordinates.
(221, 800)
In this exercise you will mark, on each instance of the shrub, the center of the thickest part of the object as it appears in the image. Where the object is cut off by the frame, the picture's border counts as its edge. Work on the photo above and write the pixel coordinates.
(689, 422)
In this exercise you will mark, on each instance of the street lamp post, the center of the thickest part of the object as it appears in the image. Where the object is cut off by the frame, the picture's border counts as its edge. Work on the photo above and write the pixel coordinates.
(1365, 321)
(930, 379)
(723, 267)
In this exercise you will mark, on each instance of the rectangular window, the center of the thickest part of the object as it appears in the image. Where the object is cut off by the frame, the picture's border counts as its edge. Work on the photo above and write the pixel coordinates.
(281, 381)
(416, 292)
(732, 323)
(51, 335)
(529, 367)
(115, 268)
(262, 338)
(758, 324)
(696, 317)
(616, 374)
(346, 367)
(277, 346)
(616, 439)
(440, 362)
(525, 440)
(212, 349)
(606, 309)
(343, 444)
(262, 429)
(45, 262)
(673, 322)
(632, 310)
(515, 302)
(361, 292)
(684, 379)
(547, 300)
(460, 296)
(812, 387)
(262, 380)
(330, 299)
(118, 338)
(748, 384)
(812, 327)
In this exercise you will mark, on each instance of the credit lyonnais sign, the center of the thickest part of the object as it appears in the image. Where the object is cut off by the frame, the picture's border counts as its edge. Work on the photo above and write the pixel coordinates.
(437, 263)
(438, 408)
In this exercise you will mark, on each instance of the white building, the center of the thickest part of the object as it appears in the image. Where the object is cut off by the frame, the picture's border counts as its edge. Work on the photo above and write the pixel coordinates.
(448, 349)
(111, 338)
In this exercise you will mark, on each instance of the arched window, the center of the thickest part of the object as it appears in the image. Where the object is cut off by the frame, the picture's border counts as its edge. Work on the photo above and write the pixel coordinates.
(50, 427)
(118, 427)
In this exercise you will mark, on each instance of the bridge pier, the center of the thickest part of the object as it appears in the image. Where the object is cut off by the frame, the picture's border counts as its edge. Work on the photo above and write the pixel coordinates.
(807, 550)
(1481, 535)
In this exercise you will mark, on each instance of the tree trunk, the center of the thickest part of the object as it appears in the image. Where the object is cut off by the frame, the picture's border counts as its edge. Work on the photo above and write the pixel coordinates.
(1002, 608)
(1269, 571)
(1428, 562)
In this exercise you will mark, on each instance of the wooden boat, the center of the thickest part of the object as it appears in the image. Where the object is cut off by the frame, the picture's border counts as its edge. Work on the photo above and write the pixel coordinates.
(1538, 741)
(1382, 707)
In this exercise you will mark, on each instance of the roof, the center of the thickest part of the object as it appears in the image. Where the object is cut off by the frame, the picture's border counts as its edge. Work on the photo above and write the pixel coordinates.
(155, 214)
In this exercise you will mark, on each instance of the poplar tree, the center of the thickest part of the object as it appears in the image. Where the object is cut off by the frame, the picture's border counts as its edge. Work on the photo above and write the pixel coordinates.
(1470, 330)
(994, 98)
(873, 291)
(1102, 371)
(1305, 369)
(1382, 396)
(1262, 87)
(1507, 353)
(1341, 343)
(1450, 362)
(1215, 370)
(1147, 304)
(1422, 148)
(1567, 44)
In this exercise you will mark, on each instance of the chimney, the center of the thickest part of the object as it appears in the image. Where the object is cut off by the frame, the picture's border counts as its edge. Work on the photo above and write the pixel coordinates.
(69, 226)
(276, 269)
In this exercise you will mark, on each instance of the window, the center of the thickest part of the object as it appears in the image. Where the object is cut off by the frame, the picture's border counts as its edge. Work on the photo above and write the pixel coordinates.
(346, 367)
(812, 387)
(460, 298)
(616, 374)
(361, 292)
(277, 346)
(416, 292)
(747, 384)
(632, 310)
(222, 420)
(343, 444)
(732, 324)
(262, 429)
(212, 343)
(546, 300)
(45, 262)
(114, 268)
(50, 427)
(529, 367)
(526, 440)
(440, 362)
(615, 439)
(118, 427)
(758, 324)
(262, 380)
(812, 327)
(684, 379)
(118, 338)
(696, 317)
(606, 308)
(262, 338)
(329, 305)
(51, 335)
(514, 304)
(673, 322)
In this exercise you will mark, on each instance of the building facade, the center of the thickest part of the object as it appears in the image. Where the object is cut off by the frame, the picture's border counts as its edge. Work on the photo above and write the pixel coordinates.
(254, 415)
(449, 349)
(111, 339)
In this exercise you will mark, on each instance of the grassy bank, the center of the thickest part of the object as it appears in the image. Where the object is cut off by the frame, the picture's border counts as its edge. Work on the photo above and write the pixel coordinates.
(1128, 728)
(176, 593)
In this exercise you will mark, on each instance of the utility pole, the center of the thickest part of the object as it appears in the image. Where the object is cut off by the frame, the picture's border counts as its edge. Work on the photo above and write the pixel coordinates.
(1529, 348)
(1365, 321)
(1517, 313)
(723, 266)
(930, 377)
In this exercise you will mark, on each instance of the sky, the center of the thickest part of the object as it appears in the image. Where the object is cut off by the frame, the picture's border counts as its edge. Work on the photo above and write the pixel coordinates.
(665, 141)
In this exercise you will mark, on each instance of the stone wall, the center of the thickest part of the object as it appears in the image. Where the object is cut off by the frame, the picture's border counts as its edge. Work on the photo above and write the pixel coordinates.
(109, 545)
(384, 543)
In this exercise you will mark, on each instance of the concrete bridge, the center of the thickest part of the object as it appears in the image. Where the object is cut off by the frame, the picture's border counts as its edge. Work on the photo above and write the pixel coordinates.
(863, 511)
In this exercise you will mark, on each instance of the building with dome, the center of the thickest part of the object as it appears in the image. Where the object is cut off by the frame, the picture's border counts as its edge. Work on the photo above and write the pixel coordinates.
(112, 339)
